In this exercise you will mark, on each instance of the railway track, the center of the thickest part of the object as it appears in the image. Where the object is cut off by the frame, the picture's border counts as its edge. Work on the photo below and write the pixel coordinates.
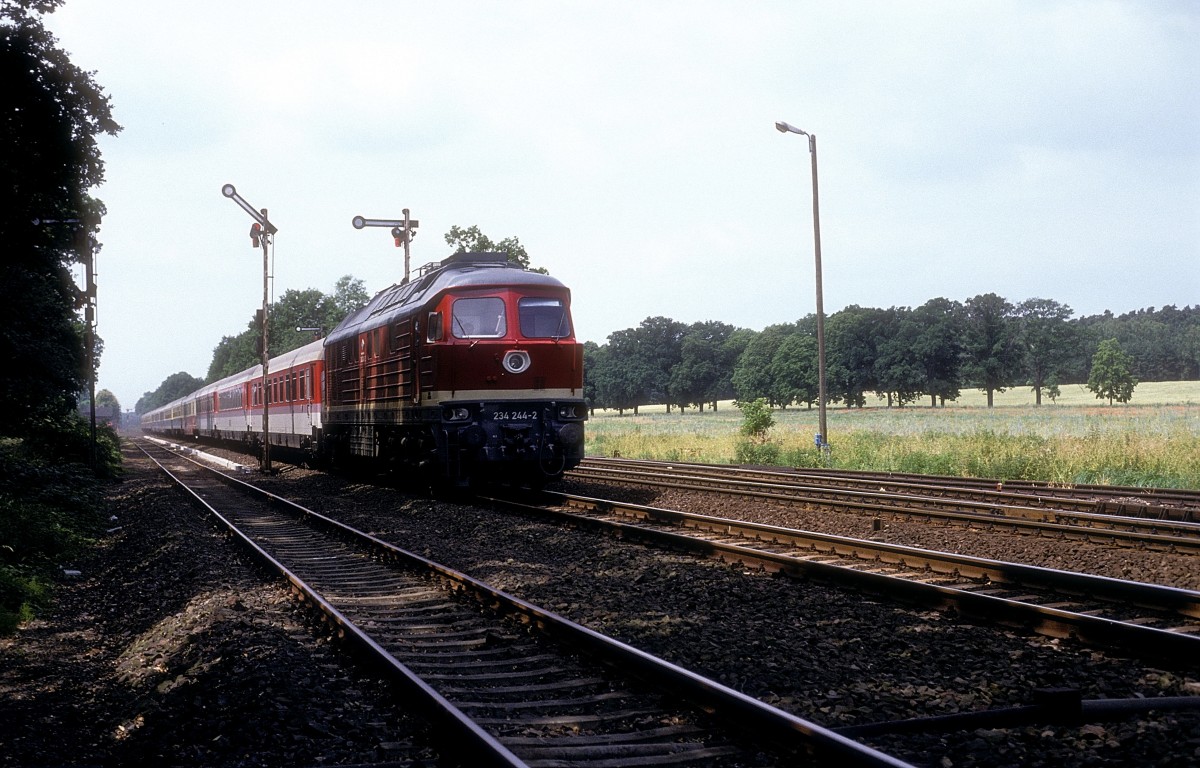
(1143, 619)
(512, 683)
(1160, 503)
(1150, 527)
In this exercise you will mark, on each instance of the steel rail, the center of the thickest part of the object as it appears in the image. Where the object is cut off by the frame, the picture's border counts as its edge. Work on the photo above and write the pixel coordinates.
(758, 717)
(1153, 503)
(747, 543)
(1123, 531)
(471, 739)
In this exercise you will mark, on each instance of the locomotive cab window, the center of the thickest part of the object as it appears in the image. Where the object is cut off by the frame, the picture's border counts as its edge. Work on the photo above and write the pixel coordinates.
(543, 318)
(478, 318)
(433, 327)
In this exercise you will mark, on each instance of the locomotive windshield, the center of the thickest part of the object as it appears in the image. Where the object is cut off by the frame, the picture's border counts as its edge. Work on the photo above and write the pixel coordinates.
(478, 318)
(543, 318)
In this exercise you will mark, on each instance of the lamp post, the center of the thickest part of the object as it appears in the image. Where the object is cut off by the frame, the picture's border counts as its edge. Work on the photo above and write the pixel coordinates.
(822, 438)
(262, 233)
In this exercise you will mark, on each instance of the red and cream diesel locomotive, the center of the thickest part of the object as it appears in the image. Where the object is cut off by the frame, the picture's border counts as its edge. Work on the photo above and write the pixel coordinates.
(470, 371)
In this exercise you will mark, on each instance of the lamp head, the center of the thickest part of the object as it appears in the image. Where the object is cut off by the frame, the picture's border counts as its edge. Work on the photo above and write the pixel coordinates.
(229, 191)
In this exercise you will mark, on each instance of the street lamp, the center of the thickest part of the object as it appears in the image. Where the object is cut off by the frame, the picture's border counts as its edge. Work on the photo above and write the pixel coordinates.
(262, 233)
(822, 437)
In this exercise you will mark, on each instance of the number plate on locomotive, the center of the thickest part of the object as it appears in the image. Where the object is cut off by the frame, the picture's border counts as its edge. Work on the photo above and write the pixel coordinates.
(514, 415)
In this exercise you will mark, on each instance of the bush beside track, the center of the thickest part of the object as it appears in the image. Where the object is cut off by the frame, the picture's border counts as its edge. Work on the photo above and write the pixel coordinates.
(50, 509)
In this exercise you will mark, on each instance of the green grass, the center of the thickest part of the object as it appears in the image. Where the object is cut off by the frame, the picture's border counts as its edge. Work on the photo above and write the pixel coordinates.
(1152, 441)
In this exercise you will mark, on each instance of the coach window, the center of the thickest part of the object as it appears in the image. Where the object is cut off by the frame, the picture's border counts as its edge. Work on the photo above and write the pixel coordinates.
(478, 318)
(543, 318)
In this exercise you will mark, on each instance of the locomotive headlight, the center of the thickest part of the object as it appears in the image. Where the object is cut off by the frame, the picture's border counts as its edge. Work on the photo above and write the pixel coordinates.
(569, 412)
(516, 361)
(456, 414)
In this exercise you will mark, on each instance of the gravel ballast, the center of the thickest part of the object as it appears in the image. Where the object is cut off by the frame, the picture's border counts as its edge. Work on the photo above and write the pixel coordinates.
(135, 662)
(170, 650)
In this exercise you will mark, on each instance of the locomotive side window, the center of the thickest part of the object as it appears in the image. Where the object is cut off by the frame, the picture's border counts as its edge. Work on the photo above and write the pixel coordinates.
(433, 328)
(543, 318)
(478, 318)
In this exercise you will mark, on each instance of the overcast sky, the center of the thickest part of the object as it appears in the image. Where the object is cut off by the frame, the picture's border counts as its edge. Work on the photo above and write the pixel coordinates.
(1030, 149)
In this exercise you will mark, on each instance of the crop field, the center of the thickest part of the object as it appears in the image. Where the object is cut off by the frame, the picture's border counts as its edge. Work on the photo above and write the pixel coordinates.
(1152, 441)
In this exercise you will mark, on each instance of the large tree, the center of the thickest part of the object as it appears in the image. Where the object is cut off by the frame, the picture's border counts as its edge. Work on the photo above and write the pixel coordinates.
(990, 342)
(899, 373)
(471, 240)
(53, 114)
(173, 387)
(1045, 339)
(752, 373)
(702, 373)
(851, 349)
(1112, 375)
(937, 348)
(290, 324)
(645, 357)
(793, 371)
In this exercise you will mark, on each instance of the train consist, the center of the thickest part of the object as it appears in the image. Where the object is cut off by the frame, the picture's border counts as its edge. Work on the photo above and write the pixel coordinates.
(469, 372)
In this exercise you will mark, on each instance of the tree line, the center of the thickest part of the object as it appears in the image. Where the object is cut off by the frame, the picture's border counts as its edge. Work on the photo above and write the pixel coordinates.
(901, 354)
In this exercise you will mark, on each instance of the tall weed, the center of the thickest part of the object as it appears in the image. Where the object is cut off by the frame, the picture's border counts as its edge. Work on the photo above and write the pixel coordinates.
(1149, 446)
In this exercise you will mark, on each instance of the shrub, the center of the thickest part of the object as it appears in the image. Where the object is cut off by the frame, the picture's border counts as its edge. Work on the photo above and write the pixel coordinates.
(50, 509)
(756, 419)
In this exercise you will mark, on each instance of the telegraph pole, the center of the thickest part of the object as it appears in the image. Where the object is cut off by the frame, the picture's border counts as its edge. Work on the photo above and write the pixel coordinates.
(262, 233)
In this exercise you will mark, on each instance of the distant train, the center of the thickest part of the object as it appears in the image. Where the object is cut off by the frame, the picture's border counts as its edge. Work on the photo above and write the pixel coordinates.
(469, 372)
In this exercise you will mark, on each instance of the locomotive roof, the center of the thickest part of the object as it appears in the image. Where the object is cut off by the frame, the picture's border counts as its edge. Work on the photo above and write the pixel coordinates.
(473, 270)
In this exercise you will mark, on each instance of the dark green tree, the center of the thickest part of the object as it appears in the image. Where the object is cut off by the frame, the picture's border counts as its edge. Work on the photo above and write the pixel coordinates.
(730, 352)
(937, 348)
(899, 373)
(752, 373)
(990, 343)
(1112, 374)
(851, 339)
(642, 359)
(701, 372)
(471, 240)
(53, 113)
(620, 381)
(1045, 338)
(173, 387)
(793, 370)
(303, 309)
(593, 361)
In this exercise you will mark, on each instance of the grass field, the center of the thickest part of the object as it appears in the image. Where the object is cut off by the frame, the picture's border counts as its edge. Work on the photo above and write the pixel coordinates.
(1152, 441)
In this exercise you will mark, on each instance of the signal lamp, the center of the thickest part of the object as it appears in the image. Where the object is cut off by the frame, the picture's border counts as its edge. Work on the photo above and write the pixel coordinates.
(255, 233)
